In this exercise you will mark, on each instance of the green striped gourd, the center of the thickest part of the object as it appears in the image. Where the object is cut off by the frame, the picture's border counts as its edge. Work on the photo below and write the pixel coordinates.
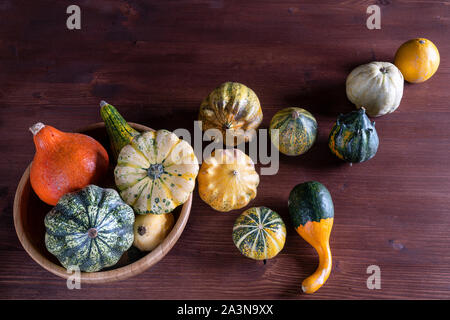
(120, 133)
(90, 228)
(353, 137)
(259, 233)
(297, 131)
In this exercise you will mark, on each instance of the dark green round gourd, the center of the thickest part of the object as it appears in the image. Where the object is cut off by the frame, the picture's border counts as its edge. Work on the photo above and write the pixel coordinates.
(353, 137)
(297, 131)
(310, 201)
(90, 229)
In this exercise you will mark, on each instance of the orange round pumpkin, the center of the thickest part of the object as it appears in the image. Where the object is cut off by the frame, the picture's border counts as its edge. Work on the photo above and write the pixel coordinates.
(418, 59)
(64, 162)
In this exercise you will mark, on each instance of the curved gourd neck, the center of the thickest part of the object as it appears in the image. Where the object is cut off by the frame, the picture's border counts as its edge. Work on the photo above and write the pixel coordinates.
(318, 278)
(317, 234)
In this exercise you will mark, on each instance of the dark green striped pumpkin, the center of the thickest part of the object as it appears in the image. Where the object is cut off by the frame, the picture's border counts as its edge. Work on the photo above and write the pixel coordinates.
(120, 133)
(90, 229)
(353, 137)
(259, 233)
(297, 131)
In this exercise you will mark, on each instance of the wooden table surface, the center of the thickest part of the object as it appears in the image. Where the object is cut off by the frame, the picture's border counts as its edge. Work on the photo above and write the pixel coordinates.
(156, 60)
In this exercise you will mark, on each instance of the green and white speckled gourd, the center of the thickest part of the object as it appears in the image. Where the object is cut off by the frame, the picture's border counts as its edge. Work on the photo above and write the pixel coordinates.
(90, 229)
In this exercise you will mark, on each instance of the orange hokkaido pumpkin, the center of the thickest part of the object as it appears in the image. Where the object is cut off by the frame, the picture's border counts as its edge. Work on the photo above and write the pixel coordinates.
(418, 59)
(64, 162)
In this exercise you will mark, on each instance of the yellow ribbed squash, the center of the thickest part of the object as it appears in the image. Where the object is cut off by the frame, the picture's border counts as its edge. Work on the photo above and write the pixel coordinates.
(227, 180)
(234, 108)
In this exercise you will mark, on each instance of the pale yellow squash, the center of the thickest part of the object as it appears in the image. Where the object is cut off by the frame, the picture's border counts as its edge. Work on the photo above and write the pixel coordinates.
(227, 180)
(156, 172)
(151, 229)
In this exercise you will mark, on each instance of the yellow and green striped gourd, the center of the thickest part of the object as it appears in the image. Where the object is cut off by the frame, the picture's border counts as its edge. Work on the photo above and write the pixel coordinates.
(259, 233)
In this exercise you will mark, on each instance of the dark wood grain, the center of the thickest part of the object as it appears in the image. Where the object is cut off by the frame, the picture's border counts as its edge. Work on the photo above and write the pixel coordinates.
(156, 61)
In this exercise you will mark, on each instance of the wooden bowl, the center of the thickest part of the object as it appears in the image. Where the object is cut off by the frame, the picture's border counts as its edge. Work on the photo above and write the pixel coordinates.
(29, 212)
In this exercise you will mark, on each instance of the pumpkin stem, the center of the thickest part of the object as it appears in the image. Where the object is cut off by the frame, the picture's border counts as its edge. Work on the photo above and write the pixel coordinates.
(383, 70)
(155, 171)
(295, 114)
(141, 230)
(92, 233)
(35, 128)
(103, 103)
(226, 126)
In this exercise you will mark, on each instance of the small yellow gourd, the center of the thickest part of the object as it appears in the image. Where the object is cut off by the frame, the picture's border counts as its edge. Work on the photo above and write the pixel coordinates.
(151, 229)
(227, 180)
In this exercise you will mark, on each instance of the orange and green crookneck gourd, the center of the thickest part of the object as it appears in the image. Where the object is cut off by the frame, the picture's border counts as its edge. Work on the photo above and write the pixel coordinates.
(312, 213)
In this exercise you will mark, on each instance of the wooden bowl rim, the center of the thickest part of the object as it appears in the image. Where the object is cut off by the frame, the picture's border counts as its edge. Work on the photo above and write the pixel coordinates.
(101, 276)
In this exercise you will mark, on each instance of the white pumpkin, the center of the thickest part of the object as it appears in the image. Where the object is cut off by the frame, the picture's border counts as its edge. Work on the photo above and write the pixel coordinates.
(376, 86)
(156, 172)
